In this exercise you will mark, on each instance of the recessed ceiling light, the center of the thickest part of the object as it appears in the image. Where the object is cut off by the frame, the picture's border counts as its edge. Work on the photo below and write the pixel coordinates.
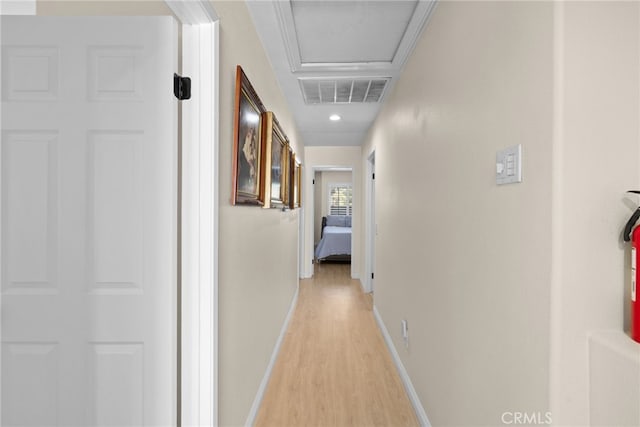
(334, 117)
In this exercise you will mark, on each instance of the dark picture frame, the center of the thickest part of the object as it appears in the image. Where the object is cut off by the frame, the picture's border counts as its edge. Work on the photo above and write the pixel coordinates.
(276, 144)
(248, 144)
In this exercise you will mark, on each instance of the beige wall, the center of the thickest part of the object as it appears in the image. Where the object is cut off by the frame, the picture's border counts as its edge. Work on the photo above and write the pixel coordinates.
(465, 262)
(258, 248)
(333, 157)
(596, 158)
(102, 8)
(516, 295)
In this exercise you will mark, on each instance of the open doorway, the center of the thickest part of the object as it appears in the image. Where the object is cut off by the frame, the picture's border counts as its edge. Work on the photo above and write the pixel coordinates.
(332, 215)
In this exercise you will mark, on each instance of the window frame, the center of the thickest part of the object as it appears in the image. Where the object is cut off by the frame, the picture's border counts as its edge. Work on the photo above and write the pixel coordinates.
(330, 187)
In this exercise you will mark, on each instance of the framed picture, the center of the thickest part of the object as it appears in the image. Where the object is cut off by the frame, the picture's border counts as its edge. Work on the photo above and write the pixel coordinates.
(276, 161)
(248, 149)
(297, 185)
(291, 162)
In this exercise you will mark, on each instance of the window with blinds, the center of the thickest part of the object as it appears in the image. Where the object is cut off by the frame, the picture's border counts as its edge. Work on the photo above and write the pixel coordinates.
(340, 199)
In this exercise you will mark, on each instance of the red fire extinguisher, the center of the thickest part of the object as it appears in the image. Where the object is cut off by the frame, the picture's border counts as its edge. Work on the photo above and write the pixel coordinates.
(633, 235)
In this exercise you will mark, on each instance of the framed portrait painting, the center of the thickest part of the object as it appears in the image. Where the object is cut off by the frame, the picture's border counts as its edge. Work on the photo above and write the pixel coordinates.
(289, 177)
(276, 156)
(248, 149)
(293, 198)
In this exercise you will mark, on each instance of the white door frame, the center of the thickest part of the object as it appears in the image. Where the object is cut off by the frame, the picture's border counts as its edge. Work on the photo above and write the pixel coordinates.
(199, 280)
(369, 222)
(301, 243)
(311, 205)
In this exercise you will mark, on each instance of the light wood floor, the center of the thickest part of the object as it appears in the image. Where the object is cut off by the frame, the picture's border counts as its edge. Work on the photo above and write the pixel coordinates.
(334, 368)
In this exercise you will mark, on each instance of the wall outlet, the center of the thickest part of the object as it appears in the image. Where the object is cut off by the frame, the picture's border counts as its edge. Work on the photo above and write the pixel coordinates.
(405, 332)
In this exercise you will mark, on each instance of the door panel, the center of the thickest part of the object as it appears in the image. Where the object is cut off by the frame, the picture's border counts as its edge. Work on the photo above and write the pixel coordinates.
(115, 219)
(89, 221)
(117, 384)
(29, 165)
(32, 369)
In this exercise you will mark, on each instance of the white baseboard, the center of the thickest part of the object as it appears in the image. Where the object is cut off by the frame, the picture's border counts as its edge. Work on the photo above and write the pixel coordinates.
(404, 376)
(253, 413)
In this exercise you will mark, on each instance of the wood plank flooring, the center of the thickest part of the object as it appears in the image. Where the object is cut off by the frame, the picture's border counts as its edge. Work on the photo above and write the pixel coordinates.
(334, 368)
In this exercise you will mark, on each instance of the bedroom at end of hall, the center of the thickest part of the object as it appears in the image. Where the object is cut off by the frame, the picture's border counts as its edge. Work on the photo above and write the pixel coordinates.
(333, 216)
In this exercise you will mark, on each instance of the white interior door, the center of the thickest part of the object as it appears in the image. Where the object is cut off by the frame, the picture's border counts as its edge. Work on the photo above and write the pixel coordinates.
(89, 214)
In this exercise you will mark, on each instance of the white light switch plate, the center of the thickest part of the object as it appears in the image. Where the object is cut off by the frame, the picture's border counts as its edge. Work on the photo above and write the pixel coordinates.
(509, 165)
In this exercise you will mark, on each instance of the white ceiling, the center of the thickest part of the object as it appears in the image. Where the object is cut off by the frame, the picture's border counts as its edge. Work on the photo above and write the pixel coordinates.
(314, 43)
(322, 28)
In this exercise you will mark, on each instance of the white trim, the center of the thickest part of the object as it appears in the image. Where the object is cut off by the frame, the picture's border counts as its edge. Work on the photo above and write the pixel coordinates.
(216, 210)
(193, 12)
(287, 29)
(404, 376)
(421, 15)
(17, 7)
(253, 413)
(369, 226)
(309, 195)
(301, 239)
(200, 140)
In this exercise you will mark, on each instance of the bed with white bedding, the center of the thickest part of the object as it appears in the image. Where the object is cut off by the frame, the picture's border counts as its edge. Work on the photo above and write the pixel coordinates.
(336, 238)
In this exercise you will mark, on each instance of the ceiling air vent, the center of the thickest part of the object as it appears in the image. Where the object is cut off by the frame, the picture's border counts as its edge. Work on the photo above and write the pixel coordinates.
(343, 91)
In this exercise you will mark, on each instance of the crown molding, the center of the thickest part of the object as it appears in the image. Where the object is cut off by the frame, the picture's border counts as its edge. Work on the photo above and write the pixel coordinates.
(286, 23)
(421, 15)
(193, 12)
(287, 26)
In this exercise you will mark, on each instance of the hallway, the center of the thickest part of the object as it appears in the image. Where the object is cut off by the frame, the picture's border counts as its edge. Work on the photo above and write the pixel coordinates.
(334, 368)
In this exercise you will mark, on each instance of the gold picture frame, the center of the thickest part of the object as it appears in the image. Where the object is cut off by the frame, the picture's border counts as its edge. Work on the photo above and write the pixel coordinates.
(287, 175)
(276, 164)
(297, 185)
(292, 180)
(248, 144)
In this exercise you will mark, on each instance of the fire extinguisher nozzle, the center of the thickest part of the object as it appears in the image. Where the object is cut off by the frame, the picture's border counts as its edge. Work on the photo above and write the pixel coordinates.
(629, 226)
